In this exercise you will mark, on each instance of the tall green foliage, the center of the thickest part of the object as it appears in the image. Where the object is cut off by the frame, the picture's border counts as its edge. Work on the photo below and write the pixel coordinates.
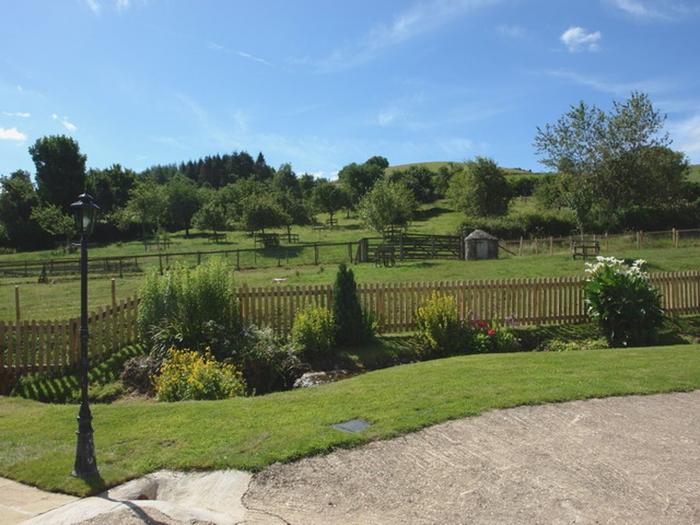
(387, 205)
(480, 189)
(353, 327)
(623, 301)
(192, 302)
(60, 169)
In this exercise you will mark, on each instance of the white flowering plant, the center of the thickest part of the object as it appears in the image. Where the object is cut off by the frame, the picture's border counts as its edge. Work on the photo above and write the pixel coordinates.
(620, 297)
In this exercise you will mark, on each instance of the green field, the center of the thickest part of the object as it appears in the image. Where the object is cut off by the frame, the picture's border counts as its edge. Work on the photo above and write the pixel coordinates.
(61, 299)
(132, 438)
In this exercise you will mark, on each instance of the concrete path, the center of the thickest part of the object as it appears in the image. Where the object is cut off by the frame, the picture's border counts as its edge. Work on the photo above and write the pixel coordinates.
(613, 461)
(616, 460)
(19, 502)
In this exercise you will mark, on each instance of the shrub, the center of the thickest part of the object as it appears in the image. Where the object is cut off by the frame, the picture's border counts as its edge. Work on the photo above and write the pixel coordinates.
(268, 363)
(313, 332)
(353, 327)
(623, 301)
(194, 309)
(523, 185)
(480, 189)
(191, 375)
(555, 224)
(492, 338)
(139, 373)
(439, 328)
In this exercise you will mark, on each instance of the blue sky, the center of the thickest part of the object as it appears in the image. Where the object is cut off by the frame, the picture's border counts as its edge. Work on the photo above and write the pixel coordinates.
(321, 84)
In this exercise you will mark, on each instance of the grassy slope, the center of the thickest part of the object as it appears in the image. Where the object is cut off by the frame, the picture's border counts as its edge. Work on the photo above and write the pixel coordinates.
(61, 300)
(132, 438)
(436, 165)
(695, 173)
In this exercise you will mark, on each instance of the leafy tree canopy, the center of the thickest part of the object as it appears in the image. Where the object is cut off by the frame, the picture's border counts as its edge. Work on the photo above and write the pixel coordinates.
(480, 189)
(388, 205)
(60, 169)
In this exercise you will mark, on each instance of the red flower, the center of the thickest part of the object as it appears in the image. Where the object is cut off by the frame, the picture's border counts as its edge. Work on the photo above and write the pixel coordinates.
(491, 332)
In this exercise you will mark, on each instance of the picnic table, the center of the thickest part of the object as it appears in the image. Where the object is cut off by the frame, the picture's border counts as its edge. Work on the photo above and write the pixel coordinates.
(585, 249)
(385, 255)
(268, 240)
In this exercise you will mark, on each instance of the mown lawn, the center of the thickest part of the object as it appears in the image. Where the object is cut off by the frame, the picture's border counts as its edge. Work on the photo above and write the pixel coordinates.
(133, 438)
(60, 300)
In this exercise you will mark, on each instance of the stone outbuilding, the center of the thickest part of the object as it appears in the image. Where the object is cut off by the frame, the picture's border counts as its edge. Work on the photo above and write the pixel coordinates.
(480, 245)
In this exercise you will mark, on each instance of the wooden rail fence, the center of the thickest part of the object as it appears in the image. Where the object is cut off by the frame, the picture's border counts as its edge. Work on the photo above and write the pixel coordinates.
(53, 345)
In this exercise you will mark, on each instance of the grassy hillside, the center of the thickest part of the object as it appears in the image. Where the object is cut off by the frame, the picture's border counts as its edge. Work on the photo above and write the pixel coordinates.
(695, 173)
(435, 165)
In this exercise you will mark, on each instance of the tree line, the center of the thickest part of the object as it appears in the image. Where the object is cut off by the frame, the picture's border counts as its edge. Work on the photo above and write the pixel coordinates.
(610, 171)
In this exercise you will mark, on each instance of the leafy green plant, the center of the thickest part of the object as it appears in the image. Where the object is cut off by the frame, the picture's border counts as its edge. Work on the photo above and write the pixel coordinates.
(313, 332)
(492, 338)
(439, 329)
(194, 309)
(192, 375)
(621, 299)
(353, 326)
(268, 362)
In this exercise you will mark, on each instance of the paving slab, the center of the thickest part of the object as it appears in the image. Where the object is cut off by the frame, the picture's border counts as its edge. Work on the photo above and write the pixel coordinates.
(20, 502)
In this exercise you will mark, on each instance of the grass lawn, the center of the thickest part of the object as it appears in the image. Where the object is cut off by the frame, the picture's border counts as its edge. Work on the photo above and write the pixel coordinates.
(37, 441)
(61, 299)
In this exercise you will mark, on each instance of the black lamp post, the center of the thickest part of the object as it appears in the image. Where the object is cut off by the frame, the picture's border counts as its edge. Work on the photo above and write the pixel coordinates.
(85, 210)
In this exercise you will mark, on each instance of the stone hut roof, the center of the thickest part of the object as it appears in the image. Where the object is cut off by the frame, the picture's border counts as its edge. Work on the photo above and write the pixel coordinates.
(481, 235)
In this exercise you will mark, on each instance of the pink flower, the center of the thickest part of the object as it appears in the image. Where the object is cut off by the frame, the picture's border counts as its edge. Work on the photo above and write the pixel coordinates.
(491, 332)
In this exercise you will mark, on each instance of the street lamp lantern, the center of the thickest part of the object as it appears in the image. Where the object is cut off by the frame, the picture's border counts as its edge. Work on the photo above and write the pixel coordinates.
(85, 466)
(85, 211)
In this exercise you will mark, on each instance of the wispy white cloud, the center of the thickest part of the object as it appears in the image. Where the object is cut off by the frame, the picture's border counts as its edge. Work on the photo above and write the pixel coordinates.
(215, 46)
(20, 114)
(460, 147)
(120, 5)
(420, 18)
(12, 134)
(94, 6)
(253, 58)
(615, 88)
(579, 39)
(656, 9)
(511, 31)
(65, 122)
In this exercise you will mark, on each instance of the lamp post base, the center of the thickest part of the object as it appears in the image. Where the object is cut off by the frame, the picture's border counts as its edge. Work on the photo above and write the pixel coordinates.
(85, 462)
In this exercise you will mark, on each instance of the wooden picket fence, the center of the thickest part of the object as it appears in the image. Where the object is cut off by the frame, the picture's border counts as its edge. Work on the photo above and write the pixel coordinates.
(522, 301)
(54, 345)
(47, 346)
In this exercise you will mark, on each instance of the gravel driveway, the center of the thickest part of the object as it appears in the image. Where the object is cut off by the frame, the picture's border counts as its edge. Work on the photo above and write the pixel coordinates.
(615, 460)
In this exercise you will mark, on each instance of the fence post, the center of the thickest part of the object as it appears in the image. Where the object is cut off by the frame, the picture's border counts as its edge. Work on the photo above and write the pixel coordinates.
(380, 305)
(199, 258)
(520, 246)
(607, 242)
(551, 245)
(316, 253)
(114, 292)
(121, 273)
(238, 259)
(17, 308)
